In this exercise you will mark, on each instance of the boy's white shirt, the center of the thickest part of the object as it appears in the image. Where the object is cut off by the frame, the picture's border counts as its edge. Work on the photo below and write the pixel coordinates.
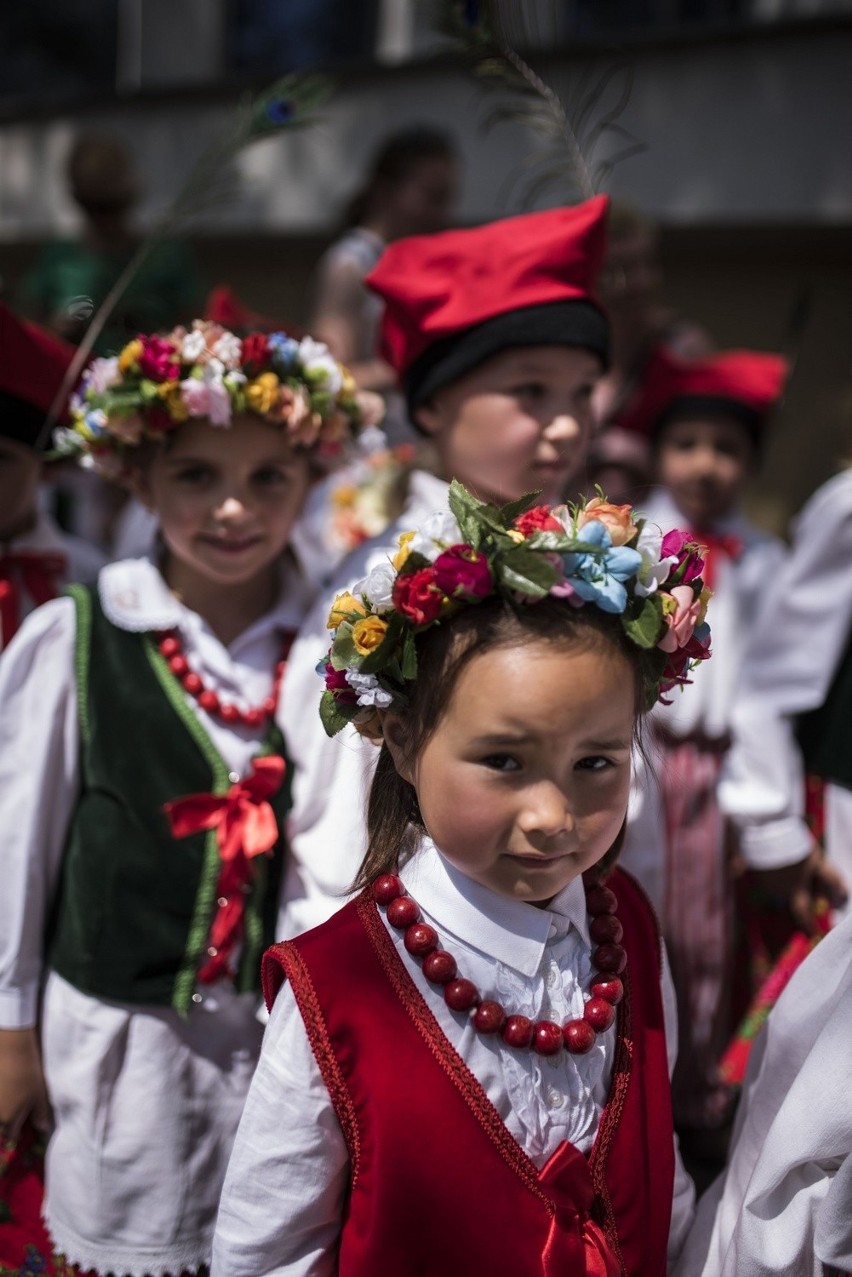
(327, 826)
(792, 658)
(282, 1204)
(783, 1206)
(39, 740)
(705, 705)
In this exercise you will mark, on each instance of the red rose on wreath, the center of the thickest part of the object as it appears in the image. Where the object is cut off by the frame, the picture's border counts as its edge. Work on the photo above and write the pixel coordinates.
(255, 352)
(418, 597)
(538, 519)
(462, 572)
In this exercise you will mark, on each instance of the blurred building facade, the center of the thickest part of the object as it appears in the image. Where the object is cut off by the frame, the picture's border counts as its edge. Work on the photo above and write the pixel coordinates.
(743, 105)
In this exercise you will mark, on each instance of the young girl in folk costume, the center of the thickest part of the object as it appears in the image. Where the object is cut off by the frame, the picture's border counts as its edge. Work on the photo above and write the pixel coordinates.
(466, 1068)
(705, 420)
(497, 340)
(138, 898)
(36, 559)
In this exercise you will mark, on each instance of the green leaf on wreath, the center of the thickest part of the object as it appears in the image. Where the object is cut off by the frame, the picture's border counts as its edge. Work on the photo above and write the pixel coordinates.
(645, 626)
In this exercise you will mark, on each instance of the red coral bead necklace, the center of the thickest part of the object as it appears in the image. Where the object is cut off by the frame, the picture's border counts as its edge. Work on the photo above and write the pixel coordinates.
(170, 647)
(544, 1036)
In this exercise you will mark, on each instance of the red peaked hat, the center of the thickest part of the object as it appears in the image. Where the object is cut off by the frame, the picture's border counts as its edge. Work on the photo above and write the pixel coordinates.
(33, 364)
(455, 298)
(744, 383)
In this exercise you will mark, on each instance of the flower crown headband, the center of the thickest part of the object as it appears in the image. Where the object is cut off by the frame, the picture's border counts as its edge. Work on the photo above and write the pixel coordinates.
(158, 382)
(593, 553)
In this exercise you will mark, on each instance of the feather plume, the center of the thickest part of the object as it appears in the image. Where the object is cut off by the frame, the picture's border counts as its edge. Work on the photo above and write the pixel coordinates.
(583, 142)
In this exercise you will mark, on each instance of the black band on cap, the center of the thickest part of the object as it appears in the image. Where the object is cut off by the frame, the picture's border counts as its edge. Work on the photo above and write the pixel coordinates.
(571, 323)
(689, 406)
(21, 421)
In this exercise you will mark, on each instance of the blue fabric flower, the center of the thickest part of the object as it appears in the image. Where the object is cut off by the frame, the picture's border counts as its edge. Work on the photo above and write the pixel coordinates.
(597, 576)
(284, 349)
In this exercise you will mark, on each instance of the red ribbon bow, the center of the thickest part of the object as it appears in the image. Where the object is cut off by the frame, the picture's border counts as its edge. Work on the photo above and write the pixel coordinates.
(244, 819)
(39, 572)
(716, 547)
(246, 827)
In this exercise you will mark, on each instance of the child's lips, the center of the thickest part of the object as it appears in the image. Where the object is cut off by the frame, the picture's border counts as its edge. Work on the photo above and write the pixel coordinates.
(534, 861)
(232, 545)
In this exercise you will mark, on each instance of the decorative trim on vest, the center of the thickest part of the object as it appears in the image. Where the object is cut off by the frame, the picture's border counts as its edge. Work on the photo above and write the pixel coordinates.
(317, 1031)
(205, 900)
(602, 1210)
(82, 652)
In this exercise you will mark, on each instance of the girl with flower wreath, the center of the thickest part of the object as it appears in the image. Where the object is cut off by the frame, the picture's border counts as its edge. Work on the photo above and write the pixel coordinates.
(143, 790)
(497, 340)
(467, 1067)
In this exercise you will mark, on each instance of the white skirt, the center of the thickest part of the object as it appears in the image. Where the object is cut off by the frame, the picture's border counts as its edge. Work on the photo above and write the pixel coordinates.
(146, 1106)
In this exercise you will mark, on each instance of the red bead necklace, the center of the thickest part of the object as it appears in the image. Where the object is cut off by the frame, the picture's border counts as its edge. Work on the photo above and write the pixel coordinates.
(545, 1037)
(171, 649)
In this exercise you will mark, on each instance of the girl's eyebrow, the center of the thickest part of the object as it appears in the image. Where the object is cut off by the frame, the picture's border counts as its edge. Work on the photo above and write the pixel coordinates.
(519, 737)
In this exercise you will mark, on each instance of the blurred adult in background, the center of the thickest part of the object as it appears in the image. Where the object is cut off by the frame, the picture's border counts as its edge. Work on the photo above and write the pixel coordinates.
(630, 287)
(71, 277)
(410, 189)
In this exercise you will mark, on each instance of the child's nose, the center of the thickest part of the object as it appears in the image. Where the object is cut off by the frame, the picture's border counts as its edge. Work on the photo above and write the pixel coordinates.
(548, 812)
(232, 507)
(563, 426)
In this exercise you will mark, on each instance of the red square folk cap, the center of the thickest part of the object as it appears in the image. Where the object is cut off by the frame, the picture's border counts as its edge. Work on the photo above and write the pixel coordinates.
(33, 364)
(454, 299)
(744, 384)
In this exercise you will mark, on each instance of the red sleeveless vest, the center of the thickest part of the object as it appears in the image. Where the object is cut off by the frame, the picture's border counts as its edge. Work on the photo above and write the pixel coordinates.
(438, 1186)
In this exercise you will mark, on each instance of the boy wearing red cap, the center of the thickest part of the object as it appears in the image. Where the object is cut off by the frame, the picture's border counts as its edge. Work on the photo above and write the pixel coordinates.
(498, 341)
(36, 559)
(705, 420)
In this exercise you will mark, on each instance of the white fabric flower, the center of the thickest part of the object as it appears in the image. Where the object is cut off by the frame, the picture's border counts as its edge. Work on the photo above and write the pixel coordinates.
(229, 349)
(369, 689)
(378, 587)
(103, 373)
(193, 346)
(319, 364)
(435, 534)
(654, 570)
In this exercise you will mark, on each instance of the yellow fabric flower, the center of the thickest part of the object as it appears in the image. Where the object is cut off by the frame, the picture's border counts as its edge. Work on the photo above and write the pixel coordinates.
(345, 496)
(368, 634)
(342, 607)
(515, 535)
(169, 392)
(129, 357)
(405, 539)
(262, 393)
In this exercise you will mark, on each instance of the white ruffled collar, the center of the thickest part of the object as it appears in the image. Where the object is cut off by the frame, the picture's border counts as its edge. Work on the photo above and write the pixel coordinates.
(135, 597)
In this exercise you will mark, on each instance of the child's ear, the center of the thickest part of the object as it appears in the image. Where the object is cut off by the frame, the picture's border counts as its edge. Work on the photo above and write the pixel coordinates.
(428, 416)
(394, 735)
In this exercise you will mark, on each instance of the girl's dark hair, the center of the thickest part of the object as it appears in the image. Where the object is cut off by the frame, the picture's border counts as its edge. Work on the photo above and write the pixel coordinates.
(394, 162)
(443, 652)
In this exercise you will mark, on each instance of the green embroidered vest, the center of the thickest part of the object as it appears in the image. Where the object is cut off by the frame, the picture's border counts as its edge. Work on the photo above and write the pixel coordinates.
(825, 734)
(134, 906)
